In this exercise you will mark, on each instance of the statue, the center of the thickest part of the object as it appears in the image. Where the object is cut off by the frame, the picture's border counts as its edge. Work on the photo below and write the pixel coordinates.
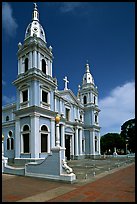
(66, 167)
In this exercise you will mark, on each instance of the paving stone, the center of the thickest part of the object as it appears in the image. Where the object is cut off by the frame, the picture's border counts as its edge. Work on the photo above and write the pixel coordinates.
(117, 185)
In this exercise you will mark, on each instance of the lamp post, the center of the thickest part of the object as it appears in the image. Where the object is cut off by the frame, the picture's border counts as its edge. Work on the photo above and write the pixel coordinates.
(57, 120)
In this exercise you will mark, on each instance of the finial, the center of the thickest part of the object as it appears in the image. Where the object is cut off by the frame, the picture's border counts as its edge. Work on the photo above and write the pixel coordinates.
(35, 14)
(87, 67)
(35, 5)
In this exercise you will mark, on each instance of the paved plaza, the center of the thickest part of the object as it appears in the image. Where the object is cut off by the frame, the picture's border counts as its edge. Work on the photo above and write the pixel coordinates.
(102, 180)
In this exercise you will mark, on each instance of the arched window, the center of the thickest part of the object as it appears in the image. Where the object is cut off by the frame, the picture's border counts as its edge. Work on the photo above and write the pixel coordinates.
(25, 137)
(10, 133)
(94, 99)
(43, 66)
(26, 128)
(85, 100)
(44, 139)
(44, 128)
(95, 143)
(81, 117)
(10, 141)
(26, 64)
(7, 118)
(96, 118)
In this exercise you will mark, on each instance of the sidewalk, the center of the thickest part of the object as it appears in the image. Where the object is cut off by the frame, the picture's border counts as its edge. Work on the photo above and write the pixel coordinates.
(117, 186)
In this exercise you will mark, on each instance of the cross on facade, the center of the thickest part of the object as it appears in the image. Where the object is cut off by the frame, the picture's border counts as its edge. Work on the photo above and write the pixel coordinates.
(66, 83)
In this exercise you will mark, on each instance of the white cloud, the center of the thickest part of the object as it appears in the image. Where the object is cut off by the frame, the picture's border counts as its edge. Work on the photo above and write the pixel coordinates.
(8, 22)
(117, 108)
(70, 6)
(9, 99)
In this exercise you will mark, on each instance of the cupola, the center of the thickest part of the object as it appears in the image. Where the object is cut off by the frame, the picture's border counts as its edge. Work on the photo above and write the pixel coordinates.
(35, 28)
(87, 78)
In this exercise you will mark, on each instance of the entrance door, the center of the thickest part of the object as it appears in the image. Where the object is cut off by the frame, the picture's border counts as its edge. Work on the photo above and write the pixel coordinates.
(67, 146)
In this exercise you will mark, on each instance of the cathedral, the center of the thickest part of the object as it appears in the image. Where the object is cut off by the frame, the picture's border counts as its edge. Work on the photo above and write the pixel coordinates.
(29, 125)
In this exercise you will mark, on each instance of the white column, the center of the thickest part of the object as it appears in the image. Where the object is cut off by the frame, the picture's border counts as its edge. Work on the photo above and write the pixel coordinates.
(21, 66)
(52, 135)
(76, 142)
(48, 149)
(51, 69)
(80, 141)
(93, 143)
(35, 58)
(91, 97)
(35, 136)
(17, 138)
(38, 60)
(60, 106)
(30, 60)
(55, 104)
(62, 136)
(99, 143)
(57, 135)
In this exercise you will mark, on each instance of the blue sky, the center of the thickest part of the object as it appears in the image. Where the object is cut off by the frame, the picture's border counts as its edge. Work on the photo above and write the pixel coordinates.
(101, 32)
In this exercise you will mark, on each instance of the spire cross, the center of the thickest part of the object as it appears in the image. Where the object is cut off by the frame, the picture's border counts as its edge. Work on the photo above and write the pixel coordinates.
(66, 83)
(35, 5)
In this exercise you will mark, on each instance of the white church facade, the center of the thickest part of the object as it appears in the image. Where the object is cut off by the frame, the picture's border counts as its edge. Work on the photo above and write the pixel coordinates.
(29, 125)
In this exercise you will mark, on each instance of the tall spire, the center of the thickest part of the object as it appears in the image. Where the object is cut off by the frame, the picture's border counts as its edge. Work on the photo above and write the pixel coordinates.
(35, 14)
(35, 28)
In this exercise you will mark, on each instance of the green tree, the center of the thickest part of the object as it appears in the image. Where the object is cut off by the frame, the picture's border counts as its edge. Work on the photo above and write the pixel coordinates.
(109, 141)
(128, 134)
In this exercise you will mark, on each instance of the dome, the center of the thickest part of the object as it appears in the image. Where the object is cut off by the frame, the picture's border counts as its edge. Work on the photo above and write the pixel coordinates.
(35, 28)
(87, 78)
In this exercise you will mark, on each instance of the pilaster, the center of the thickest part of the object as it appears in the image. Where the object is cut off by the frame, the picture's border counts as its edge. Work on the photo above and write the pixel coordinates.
(35, 58)
(62, 136)
(76, 141)
(35, 136)
(17, 138)
(52, 141)
(30, 60)
(80, 141)
(38, 60)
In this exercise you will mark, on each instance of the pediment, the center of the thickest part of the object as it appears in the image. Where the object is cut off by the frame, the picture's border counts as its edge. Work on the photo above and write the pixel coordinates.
(69, 96)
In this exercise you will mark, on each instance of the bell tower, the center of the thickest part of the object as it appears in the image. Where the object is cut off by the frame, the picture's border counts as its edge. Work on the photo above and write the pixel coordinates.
(88, 95)
(34, 81)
